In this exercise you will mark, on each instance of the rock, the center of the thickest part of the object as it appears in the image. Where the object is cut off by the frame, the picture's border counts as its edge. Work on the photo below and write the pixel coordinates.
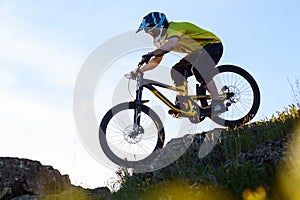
(26, 177)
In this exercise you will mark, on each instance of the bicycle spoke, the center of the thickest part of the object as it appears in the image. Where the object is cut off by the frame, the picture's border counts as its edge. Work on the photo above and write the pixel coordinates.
(243, 94)
(127, 146)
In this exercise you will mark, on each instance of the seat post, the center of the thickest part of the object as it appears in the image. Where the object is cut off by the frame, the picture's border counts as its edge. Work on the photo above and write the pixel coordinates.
(201, 90)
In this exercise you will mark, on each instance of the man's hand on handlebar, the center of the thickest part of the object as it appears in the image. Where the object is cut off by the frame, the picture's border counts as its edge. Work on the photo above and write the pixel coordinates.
(146, 58)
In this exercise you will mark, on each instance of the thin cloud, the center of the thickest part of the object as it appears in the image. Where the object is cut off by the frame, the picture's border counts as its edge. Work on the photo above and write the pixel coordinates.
(7, 78)
(24, 45)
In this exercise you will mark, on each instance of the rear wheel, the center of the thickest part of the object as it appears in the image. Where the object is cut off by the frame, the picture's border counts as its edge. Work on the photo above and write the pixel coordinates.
(126, 145)
(244, 101)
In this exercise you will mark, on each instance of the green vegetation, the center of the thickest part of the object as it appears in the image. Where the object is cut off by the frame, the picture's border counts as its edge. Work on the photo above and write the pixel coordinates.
(245, 164)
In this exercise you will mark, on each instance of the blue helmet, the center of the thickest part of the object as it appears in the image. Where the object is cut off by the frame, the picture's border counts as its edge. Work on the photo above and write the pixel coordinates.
(153, 20)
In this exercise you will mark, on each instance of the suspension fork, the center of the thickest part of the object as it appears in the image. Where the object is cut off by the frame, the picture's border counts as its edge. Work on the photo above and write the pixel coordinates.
(137, 110)
(138, 101)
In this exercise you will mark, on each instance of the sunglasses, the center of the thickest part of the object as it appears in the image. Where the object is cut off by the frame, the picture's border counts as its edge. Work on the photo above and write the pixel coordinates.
(149, 29)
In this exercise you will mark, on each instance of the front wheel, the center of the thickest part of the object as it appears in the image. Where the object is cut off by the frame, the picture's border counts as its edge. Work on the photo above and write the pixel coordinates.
(244, 93)
(124, 143)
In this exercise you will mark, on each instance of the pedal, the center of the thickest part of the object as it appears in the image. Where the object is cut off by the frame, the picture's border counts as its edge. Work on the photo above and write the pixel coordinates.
(174, 114)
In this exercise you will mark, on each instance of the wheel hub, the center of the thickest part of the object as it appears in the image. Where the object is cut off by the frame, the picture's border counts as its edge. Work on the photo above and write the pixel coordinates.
(234, 93)
(132, 134)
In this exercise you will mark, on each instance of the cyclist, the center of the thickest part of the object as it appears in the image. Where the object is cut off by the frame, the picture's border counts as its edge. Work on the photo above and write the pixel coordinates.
(203, 49)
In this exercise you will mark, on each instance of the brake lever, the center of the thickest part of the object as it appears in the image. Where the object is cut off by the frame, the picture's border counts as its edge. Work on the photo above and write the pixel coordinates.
(128, 76)
(140, 64)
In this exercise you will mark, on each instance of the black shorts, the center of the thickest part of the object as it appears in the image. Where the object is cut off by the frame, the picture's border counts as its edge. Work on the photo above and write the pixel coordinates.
(198, 63)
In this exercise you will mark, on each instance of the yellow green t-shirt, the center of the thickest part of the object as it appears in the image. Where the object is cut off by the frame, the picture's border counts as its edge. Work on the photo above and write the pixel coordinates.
(191, 37)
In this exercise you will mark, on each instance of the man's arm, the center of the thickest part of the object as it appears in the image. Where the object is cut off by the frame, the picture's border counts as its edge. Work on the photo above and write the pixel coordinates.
(158, 53)
(153, 63)
(167, 47)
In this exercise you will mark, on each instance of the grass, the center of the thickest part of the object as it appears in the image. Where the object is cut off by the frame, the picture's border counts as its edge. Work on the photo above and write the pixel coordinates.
(225, 173)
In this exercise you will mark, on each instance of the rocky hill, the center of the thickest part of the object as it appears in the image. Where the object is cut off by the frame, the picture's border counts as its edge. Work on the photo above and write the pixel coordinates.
(26, 179)
(243, 159)
(23, 179)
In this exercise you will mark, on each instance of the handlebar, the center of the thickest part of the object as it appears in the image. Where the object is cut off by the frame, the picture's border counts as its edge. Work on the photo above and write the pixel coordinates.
(134, 75)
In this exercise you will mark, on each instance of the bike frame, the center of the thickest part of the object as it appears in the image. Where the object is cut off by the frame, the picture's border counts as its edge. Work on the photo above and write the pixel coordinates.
(149, 84)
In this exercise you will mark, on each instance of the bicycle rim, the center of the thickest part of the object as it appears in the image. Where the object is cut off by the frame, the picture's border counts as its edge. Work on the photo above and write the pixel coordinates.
(121, 144)
(243, 106)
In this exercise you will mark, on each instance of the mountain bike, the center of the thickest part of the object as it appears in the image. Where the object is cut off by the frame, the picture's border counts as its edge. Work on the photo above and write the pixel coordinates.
(130, 133)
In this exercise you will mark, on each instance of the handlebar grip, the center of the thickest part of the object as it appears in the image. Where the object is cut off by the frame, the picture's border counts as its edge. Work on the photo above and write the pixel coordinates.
(141, 62)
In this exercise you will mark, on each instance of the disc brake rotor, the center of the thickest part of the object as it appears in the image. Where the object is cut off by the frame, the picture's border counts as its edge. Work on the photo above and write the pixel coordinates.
(133, 135)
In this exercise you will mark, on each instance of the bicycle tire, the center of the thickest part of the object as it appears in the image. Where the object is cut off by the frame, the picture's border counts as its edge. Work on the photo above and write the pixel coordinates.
(251, 109)
(109, 151)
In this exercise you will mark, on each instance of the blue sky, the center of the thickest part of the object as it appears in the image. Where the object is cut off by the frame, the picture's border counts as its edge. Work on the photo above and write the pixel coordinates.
(44, 44)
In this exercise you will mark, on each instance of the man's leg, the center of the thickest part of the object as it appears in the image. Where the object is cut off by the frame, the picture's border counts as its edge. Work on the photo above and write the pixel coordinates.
(178, 72)
(206, 61)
